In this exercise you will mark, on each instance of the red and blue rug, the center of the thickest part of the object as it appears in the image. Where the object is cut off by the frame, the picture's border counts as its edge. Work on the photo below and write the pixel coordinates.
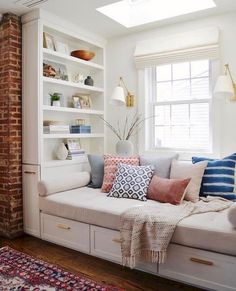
(21, 272)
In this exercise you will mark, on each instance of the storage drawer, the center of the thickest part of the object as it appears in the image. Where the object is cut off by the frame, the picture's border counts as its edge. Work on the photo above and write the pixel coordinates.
(105, 243)
(202, 268)
(69, 233)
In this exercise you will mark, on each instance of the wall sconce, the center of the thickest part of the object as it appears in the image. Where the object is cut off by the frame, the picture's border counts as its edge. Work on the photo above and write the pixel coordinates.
(225, 86)
(118, 96)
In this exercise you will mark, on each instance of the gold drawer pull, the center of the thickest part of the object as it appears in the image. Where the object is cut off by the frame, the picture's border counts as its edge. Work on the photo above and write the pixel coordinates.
(64, 226)
(117, 240)
(200, 261)
(29, 172)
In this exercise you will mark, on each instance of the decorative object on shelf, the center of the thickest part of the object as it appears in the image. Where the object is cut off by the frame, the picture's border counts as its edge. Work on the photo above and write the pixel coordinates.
(61, 47)
(85, 100)
(74, 148)
(48, 41)
(89, 81)
(118, 96)
(55, 99)
(56, 129)
(80, 121)
(83, 54)
(124, 148)
(55, 70)
(76, 102)
(225, 85)
(78, 78)
(80, 129)
(62, 152)
(51, 122)
(48, 71)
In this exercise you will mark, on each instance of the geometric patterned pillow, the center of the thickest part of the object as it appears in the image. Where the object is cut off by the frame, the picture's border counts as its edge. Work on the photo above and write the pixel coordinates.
(132, 182)
(219, 177)
(110, 168)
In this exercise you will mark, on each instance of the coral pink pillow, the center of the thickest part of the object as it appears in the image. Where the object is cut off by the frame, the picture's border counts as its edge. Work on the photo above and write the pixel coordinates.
(167, 190)
(110, 169)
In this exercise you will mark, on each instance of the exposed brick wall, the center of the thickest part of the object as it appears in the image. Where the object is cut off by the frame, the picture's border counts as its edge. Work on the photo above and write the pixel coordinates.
(11, 214)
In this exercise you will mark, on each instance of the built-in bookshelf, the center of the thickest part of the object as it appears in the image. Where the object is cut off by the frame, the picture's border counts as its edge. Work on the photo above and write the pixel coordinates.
(39, 81)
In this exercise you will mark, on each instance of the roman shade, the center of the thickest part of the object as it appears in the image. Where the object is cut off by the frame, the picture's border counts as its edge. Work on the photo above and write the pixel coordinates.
(191, 45)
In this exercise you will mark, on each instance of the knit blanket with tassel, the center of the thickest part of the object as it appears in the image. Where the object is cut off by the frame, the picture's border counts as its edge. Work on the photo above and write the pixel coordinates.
(146, 231)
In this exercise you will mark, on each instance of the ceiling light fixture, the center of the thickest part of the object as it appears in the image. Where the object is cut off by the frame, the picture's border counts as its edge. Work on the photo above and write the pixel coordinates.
(132, 13)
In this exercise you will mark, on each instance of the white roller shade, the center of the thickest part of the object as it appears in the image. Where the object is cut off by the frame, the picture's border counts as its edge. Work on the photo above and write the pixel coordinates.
(192, 45)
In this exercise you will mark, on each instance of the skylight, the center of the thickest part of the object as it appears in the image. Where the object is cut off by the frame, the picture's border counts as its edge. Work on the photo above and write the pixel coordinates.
(132, 13)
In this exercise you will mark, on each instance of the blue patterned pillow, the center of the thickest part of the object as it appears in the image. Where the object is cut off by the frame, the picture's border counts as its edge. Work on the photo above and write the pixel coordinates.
(219, 177)
(131, 182)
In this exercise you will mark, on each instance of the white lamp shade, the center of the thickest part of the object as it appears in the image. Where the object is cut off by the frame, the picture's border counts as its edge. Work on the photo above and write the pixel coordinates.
(118, 96)
(224, 87)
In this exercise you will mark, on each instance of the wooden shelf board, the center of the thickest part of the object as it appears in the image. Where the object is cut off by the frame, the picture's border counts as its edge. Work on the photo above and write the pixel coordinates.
(73, 85)
(87, 64)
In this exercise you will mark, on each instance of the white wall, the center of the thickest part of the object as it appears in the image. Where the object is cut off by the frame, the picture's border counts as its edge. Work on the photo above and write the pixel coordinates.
(120, 62)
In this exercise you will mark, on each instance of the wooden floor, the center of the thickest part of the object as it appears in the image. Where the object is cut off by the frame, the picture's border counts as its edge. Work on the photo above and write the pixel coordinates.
(97, 269)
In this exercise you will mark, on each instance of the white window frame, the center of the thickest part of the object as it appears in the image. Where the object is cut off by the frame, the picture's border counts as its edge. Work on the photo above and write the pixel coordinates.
(146, 108)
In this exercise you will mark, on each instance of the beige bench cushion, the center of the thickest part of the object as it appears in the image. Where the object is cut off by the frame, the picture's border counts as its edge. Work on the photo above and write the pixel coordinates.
(210, 231)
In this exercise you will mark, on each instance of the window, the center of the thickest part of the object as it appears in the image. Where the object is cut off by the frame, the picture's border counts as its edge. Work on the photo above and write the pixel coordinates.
(181, 106)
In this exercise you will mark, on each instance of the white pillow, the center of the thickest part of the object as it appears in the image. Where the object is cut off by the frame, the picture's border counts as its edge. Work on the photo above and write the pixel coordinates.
(68, 182)
(232, 215)
(184, 170)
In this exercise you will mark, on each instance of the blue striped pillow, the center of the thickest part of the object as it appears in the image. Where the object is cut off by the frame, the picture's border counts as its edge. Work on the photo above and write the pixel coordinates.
(219, 177)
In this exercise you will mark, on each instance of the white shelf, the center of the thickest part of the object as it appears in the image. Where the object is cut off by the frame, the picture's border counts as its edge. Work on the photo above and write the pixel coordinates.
(73, 85)
(72, 110)
(72, 135)
(59, 163)
(57, 55)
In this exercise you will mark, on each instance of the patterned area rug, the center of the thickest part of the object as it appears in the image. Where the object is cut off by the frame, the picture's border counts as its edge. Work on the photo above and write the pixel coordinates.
(22, 272)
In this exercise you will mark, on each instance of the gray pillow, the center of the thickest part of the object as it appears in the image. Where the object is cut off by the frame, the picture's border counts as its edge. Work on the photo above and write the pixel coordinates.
(161, 165)
(97, 170)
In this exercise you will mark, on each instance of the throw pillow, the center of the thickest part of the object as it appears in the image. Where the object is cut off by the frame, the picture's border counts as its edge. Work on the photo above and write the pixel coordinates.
(161, 165)
(183, 170)
(167, 190)
(110, 169)
(131, 182)
(97, 170)
(219, 177)
(232, 215)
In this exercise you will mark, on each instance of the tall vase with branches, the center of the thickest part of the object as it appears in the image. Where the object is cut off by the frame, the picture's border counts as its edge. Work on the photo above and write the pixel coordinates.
(130, 128)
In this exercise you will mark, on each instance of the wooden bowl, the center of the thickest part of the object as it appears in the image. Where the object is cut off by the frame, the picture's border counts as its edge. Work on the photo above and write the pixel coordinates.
(83, 54)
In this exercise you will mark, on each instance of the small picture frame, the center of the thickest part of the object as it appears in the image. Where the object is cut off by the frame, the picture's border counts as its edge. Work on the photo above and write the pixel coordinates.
(61, 47)
(85, 101)
(48, 41)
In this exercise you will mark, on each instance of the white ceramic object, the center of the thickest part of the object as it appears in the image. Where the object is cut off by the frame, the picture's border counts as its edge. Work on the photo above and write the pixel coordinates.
(56, 103)
(124, 148)
(62, 152)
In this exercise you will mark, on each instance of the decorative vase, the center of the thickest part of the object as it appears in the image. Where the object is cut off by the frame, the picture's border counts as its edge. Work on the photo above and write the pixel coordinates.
(62, 152)
(56, 103)
(124, 148)
(88, 81)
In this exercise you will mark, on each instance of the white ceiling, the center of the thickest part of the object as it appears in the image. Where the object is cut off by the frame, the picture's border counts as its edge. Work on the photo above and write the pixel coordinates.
(84, 14)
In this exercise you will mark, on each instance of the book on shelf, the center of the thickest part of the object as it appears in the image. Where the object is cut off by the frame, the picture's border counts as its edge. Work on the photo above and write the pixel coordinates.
(56, 129)
(74, 148)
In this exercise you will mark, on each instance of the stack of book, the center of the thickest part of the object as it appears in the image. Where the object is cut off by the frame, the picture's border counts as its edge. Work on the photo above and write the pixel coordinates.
(74, 149)
(53, 129)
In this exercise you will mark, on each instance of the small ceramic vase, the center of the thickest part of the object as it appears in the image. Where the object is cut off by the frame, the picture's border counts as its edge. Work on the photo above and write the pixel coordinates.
(56, 103)
(62, 152)
(124, 148)
(88, 81)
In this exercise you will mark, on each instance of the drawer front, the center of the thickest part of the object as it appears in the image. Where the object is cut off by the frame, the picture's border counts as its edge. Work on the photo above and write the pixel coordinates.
(65, 232)
(105, 243)
(202, 268)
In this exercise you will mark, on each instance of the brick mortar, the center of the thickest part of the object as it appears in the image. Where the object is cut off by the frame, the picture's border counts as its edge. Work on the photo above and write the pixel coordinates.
(11, 213)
